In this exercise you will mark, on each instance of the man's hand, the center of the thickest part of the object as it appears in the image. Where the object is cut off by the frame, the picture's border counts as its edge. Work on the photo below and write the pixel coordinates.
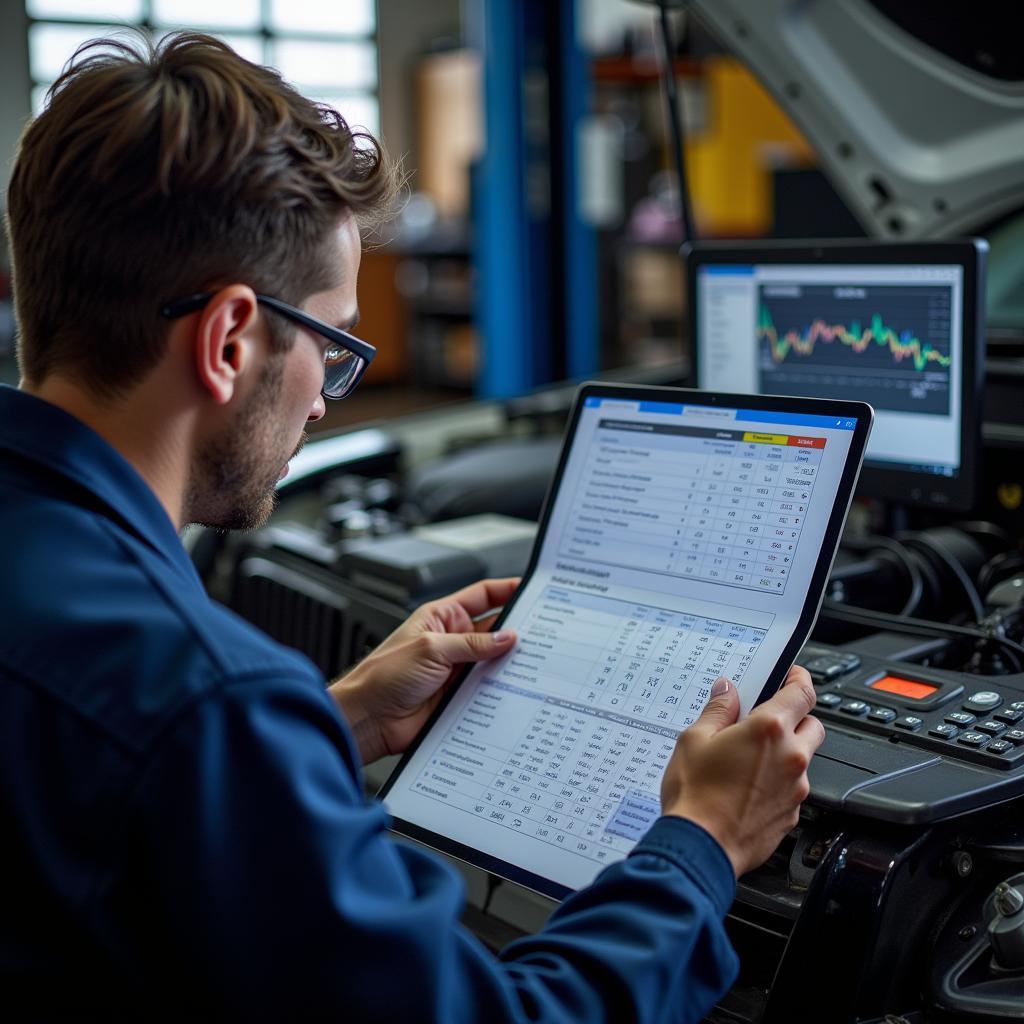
(744, 783)
(389, 695)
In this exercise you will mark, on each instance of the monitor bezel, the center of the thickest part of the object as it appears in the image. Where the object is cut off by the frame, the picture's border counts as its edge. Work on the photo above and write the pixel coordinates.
(900, 483)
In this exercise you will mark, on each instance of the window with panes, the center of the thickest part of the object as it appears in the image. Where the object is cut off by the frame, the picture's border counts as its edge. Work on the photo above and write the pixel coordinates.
(327, 49)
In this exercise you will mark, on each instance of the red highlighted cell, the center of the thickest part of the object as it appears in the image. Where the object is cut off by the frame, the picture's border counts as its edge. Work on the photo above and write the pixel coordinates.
(806, 442)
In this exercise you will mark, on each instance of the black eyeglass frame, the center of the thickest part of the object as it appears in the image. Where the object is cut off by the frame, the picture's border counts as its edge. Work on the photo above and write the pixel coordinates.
(362, 349)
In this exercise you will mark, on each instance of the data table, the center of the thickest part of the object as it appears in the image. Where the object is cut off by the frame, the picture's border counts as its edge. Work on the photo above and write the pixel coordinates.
(726, 506)
(567, 741)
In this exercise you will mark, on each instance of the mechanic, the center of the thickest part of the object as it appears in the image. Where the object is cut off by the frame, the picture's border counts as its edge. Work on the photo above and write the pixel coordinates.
(182, 804)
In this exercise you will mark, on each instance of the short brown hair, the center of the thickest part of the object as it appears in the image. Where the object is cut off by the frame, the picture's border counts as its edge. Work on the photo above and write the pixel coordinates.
(157, 170)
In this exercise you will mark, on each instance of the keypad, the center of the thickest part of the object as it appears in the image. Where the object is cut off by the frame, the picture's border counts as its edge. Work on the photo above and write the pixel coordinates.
(854, 707)
(884, 715)
(961, 718)
(827, 667)
(973, 739)
(984, 726)
(990, 727)
(909, 722)
(983, 701)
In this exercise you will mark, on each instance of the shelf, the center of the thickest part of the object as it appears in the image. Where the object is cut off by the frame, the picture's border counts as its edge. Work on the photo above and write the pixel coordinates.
(639, 70)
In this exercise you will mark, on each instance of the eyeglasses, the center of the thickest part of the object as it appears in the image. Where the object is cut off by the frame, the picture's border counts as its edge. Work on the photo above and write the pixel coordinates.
(345, 360)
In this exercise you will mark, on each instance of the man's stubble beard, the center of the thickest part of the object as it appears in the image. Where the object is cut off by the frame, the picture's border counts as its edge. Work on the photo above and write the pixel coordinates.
(232, 485)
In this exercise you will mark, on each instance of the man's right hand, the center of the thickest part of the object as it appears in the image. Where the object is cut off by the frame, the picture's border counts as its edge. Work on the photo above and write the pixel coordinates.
(745, 782)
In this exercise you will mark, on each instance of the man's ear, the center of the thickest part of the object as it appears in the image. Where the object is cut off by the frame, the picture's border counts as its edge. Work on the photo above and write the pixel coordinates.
(224, 342)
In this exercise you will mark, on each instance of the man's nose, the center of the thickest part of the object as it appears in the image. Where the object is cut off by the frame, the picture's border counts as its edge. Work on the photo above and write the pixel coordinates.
(318, 409)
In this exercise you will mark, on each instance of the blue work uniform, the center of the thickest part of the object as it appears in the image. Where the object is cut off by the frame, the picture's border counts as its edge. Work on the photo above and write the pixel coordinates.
(184, 827)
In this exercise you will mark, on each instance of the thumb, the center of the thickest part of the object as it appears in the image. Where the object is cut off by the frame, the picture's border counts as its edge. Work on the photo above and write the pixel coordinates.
(723, 709)
(458, 648)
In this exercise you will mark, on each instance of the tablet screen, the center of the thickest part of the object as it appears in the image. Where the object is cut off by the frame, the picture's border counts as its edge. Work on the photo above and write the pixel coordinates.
(680, 546)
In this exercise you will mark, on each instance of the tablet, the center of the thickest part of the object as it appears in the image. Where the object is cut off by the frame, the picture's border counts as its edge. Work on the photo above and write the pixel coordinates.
(686, 535)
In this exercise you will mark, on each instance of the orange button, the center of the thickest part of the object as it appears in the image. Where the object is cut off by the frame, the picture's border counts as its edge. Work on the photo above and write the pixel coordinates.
(904, 687)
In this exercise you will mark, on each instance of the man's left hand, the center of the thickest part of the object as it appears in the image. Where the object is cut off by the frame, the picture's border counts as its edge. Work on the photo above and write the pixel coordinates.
(389, 695)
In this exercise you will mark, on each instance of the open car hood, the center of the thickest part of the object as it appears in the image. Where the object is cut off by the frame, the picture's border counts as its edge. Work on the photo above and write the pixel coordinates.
(916, 109)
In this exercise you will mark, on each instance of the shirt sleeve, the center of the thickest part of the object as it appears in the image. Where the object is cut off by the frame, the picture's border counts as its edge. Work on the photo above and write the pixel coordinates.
(257, 881)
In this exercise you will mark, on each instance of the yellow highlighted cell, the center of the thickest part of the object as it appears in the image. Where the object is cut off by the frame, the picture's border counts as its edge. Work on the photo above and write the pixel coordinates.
(750, 435)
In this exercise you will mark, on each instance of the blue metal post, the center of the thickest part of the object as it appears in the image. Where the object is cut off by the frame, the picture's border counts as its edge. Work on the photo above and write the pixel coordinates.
(582, 335)
(522, 253)
(499, 237)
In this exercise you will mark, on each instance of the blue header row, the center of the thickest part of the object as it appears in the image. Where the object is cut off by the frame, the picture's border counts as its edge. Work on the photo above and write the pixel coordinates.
(791, 419)
(730, 269)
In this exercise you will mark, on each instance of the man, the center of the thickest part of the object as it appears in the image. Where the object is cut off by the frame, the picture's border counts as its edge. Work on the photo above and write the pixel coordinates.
(181, 799)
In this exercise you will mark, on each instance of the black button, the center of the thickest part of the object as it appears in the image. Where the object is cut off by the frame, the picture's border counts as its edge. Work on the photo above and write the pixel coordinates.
(829, 700)
(946, 732)
(819, 668)
(999, 747)
(909, 722)
(983, 700)
(855, 707)
(973, 739)
(961, 718)
(810, 651)
(1010, 715)
(991, 727)
(1014, 735)
(830, 666)
(882, 715)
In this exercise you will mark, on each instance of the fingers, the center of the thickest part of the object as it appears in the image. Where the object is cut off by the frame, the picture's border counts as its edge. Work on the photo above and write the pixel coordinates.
(810, 733)
(723, 709)
(460, 648)
(793, 702)
(799, 676)
(484, 596)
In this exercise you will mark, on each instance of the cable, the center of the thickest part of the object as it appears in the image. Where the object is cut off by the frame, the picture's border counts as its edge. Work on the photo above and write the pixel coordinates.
(998, 624)
(493, 882)
(871, 544)
(675, 122)
(989, 535)
(920, 627)
(998, 568)
(909, 567)
(932, 543)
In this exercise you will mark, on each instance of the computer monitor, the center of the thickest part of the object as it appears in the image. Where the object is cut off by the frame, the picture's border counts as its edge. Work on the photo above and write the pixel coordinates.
(898, 325)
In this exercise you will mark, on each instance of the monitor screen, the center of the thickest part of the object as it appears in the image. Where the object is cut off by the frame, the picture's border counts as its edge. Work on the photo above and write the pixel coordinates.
(889, 324)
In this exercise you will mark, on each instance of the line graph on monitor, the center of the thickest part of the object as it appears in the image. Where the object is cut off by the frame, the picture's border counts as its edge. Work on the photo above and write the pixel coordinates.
(890, 343)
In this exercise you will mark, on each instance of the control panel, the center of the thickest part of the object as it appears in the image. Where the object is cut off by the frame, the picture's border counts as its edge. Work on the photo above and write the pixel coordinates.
(913, 744)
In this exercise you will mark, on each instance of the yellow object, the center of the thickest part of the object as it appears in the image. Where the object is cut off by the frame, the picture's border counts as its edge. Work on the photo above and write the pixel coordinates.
(766, 438)
(729, 166)
(1010, 496)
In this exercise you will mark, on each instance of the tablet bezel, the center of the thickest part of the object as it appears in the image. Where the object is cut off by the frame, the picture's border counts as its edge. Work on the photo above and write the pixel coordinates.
(808, 614)
(898, 483)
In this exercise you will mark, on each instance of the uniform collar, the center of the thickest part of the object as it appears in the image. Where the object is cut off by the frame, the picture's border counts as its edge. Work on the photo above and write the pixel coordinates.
(43, 433)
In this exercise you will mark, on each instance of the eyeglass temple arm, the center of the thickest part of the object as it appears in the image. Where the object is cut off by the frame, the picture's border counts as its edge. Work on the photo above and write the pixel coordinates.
(361, 348)
(189, 304)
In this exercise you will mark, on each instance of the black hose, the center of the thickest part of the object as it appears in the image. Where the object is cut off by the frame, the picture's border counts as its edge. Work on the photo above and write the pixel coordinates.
(675, 122)
(931, 543)
(920, 627)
